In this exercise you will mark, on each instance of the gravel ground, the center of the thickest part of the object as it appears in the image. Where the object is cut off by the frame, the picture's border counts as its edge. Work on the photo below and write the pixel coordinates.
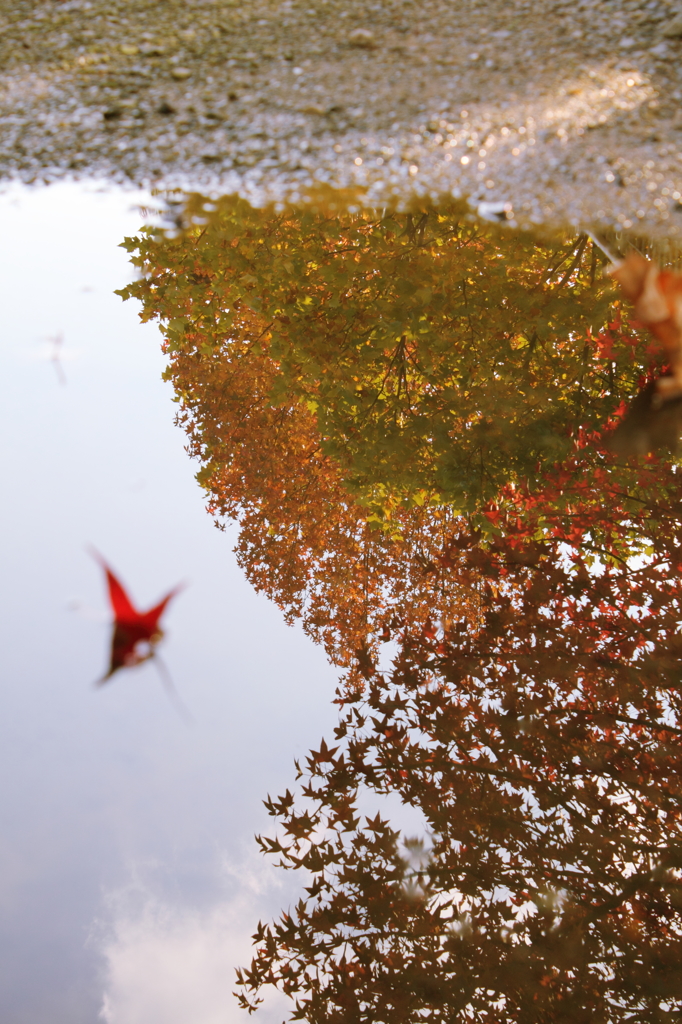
(569, 111)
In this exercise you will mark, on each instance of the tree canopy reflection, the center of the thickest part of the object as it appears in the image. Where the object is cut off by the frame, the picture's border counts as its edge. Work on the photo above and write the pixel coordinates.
(409, 416)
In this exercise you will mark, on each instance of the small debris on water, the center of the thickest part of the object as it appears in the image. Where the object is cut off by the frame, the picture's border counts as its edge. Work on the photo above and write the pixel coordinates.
(497, 213)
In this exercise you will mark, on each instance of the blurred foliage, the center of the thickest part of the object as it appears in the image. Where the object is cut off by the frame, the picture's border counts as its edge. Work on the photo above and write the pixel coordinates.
(442, 359)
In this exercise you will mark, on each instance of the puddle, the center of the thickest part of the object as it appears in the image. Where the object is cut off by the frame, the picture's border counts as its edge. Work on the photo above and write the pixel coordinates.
(406, 415)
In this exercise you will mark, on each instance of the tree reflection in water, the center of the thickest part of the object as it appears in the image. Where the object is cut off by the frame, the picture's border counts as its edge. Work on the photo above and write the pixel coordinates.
(409, 415)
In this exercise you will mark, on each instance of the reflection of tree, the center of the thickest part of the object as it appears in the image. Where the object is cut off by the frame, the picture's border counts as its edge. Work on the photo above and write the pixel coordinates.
(543, 749)
(404, 413)
(262, 313)
(440, 359)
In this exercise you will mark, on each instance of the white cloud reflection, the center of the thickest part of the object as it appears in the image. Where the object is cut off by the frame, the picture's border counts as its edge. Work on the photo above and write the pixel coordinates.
(171, 964)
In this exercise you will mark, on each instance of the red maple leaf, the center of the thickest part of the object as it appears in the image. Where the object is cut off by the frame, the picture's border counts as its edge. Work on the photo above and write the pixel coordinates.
(135, 634)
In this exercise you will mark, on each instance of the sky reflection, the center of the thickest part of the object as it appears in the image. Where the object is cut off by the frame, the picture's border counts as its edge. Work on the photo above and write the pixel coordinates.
(119, 822)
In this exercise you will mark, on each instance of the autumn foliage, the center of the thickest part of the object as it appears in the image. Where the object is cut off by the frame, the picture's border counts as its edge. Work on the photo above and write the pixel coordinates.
(441, 359)
(303, 539)
(543, 750)
(337, 372)
(411, 418)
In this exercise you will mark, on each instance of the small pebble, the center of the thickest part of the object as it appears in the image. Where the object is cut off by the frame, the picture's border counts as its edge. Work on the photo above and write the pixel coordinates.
(673, 30)
(129, 50)
(362, 38)
(180, 74)
(152, 50)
